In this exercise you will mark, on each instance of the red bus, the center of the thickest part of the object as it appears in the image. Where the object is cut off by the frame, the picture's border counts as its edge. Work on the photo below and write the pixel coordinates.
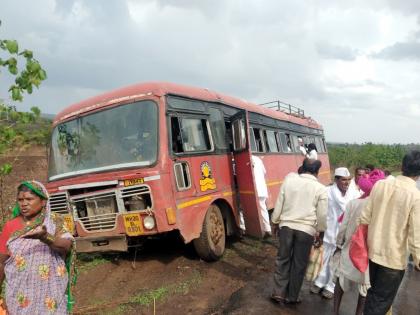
(156, 157)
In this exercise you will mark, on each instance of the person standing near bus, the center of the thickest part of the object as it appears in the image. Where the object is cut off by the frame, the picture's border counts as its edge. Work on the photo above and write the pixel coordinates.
(339, 195)
(262, 193)
(300, 216)
(392, 214)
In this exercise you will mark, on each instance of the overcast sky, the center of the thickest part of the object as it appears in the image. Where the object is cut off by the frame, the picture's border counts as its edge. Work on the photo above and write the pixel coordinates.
(354, 66)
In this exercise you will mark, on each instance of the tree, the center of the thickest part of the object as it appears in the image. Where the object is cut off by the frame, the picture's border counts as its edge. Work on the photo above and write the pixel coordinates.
(32, 74)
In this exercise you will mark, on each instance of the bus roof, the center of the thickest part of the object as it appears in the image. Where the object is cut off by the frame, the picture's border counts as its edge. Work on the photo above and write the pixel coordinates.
(140, 90)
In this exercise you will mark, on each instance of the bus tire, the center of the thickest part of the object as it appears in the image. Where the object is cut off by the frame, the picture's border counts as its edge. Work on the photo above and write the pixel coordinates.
(210, 246)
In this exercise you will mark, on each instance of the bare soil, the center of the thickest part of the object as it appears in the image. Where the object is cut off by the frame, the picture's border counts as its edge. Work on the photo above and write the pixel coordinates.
(166, 277)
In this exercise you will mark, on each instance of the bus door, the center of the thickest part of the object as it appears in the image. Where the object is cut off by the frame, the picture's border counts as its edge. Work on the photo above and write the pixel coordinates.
(248, 200)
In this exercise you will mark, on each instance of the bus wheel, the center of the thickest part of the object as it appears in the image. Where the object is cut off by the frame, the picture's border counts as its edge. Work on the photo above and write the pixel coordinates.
(210, 246)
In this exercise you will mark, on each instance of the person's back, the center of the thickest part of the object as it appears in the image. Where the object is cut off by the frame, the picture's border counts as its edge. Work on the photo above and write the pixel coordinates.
(392, 210)
(299, 209)
(392, 214)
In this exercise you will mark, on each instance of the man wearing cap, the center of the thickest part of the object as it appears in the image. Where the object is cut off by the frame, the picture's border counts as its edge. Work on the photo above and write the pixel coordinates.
(339, 195)
(392, 214)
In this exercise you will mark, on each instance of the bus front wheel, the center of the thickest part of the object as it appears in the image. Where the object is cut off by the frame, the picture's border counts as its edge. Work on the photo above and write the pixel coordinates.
(210, 246)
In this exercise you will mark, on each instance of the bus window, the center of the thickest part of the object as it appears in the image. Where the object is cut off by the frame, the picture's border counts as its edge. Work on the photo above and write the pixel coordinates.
(272, 144)
(295, 143)
(190, 134)
(238, 132)
(252, 140)
(217, 124)
(318, 143)
(324, 146)
(259, 139)
(289, 143)
(176, 136)
(282, 140)
(182, 176)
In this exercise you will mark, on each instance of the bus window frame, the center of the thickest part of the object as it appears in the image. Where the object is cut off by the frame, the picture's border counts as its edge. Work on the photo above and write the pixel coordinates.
(181, 116)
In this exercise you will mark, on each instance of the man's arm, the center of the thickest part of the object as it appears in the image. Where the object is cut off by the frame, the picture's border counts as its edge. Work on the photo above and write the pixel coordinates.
(414, 233)
(321, 211)
(278, 208)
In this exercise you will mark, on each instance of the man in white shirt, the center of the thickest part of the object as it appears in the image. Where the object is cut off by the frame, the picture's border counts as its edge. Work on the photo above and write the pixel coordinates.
(262, 193)
(300, 214)
(339, 195)
(302, 148)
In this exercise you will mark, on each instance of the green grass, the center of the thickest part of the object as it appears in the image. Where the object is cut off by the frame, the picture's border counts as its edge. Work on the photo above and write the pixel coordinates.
(88, 262)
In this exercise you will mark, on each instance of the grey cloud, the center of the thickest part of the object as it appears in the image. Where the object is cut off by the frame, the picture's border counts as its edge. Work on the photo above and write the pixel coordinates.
(400, 51)
(330, 51)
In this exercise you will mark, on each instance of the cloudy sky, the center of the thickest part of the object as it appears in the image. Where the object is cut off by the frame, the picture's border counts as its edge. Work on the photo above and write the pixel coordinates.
(354, 66)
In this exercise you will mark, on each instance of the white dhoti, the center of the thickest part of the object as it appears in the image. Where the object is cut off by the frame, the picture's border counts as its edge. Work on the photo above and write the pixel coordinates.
(325, 278)
(264, 217)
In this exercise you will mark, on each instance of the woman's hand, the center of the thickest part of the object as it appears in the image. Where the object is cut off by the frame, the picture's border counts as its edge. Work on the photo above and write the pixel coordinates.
(39, 233)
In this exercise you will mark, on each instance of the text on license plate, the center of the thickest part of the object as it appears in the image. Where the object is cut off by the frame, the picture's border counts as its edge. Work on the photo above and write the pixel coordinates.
(132, 182)
(133, 224)
(68, 223)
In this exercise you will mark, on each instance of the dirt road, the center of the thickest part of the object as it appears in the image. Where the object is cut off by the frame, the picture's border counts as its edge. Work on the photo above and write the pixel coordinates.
(168, 278)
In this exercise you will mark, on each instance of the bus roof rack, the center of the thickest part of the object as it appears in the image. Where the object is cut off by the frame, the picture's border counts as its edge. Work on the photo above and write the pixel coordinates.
(285, 108)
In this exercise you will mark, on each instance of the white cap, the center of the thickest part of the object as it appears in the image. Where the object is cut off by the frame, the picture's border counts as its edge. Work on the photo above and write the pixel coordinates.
(342, 171)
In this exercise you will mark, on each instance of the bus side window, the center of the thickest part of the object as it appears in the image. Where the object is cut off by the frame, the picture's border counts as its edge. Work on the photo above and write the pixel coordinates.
(252, 140)
(182, 176)
(289, 143)
(318, 144)
(271, 141)
(218, 128)
(259, 139)
(238, 135)
(176, 136)
(190, 134)
(295, 143)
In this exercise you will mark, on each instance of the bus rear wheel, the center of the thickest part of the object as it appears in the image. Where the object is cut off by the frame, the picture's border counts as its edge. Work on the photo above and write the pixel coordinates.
(210, 246)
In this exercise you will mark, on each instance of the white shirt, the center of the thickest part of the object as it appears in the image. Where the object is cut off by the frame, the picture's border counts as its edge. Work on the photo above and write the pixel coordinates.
(336, 207)
(313, 155)
(302, 150)
(259, 176)
(301, 204)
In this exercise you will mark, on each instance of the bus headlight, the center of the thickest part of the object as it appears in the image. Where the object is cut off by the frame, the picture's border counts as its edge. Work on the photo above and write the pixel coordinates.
(149, 222)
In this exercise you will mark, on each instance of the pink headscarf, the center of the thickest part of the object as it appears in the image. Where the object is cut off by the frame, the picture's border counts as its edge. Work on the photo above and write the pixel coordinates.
(366, 183)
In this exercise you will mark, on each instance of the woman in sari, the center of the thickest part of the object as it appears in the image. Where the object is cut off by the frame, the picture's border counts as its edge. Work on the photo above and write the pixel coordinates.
(34, 246)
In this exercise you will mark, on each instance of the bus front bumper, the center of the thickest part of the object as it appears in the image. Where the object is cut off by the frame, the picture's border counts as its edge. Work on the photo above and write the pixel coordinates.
(116, 243)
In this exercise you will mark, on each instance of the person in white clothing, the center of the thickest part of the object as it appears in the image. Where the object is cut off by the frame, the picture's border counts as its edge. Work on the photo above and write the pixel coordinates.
(301, 147)
(339, 195)
(347, 276)
(358, 173)
(312, 152)
(262, 193)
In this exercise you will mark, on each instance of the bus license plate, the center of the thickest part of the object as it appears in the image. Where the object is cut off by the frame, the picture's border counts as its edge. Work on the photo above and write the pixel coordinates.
(133, 224)
(68, 223)
(132, 182)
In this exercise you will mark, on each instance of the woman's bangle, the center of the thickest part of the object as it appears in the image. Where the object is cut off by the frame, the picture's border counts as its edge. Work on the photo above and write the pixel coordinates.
(48, 239)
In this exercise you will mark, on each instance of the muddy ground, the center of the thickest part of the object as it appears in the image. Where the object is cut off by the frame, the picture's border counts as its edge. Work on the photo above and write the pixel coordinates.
(166, 277)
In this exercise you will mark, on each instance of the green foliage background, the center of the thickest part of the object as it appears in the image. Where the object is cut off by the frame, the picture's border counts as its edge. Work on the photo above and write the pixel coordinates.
(382, 156)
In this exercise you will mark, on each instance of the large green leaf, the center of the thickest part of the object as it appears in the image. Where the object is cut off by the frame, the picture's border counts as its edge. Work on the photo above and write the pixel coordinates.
(12, 46)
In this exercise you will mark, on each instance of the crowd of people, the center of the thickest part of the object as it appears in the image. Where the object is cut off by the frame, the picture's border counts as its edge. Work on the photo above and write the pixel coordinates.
(308, 214)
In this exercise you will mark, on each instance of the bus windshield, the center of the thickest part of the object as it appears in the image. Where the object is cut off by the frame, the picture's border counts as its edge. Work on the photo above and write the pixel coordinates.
(119, 137)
